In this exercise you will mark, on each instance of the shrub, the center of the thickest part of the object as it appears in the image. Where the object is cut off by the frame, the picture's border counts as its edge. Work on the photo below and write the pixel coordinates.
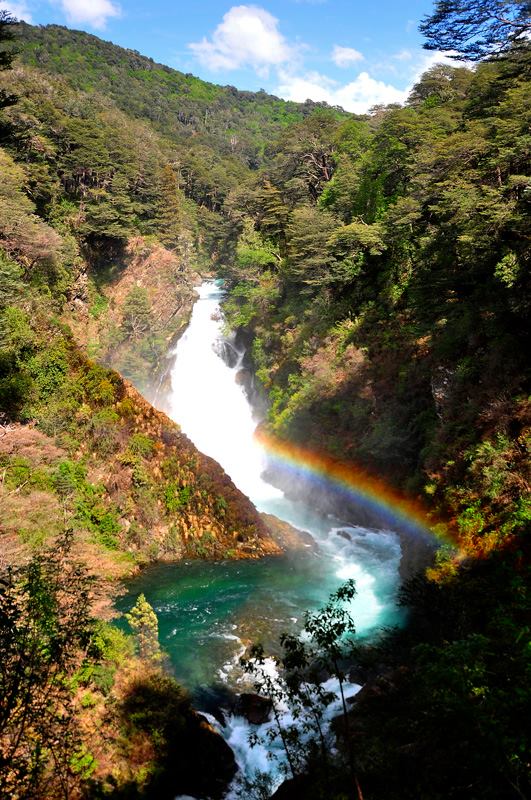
(141, 445)
(176, 497)
(104, 428)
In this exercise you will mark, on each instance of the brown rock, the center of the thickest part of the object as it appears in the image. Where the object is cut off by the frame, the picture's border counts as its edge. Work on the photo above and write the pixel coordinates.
(286, 536)
(254, 708)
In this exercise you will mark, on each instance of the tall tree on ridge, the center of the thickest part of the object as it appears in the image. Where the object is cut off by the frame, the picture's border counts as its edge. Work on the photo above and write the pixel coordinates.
(476, 30)
(7, 54)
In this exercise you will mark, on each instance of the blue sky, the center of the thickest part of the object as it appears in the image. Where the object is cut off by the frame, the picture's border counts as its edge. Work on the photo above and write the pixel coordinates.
(347, 52)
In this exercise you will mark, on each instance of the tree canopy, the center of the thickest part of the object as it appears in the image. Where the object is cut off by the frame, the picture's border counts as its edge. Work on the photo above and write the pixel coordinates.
(7, 52)
(478, 29)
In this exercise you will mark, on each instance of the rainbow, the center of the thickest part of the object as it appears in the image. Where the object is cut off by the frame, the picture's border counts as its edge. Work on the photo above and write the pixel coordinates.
(348, 480)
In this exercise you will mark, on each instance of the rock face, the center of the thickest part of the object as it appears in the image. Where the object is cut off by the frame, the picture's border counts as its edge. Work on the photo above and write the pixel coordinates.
(221, 522)
(255, 708)
(164, 283)
(212, 761)
(227, 351)
(418, 553)
(294, 789)
(286, 536)
(148, 495)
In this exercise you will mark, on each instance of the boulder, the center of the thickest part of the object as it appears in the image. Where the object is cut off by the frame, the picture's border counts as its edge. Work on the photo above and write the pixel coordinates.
(294, 789)
(286, 536)
(345, 535)
(255, 708)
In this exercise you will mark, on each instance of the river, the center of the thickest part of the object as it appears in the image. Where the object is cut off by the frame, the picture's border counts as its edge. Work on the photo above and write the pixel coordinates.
(207, 611)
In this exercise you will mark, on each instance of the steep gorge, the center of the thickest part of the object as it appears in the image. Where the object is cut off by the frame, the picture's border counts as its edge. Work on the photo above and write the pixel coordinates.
(386, 301)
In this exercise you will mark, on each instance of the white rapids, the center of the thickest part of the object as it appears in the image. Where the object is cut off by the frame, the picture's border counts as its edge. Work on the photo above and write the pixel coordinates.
(212, 408)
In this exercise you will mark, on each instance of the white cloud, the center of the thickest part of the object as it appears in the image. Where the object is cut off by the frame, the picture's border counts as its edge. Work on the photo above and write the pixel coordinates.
(91, 12)
(356, 96)
(403, 55)
(19, 10)
(344, 56)
(425, 61)
(248, 36)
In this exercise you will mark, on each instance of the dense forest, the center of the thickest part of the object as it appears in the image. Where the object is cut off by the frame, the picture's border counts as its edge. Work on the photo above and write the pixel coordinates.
(378, 266)
(382, 274)
(382, 267)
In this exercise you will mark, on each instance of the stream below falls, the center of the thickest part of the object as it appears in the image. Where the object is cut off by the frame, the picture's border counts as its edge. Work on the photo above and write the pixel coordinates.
(209, 611)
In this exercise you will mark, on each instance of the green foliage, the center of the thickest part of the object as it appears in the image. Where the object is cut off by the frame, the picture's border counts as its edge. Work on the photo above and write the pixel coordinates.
(478, 30)
(91, 510)
(48, 368)
(171, 215)
(21, 474)
(137, 313)
(45, 627)
(83, 763)
(217, 132)
(253, 251)
(22, 233)
(416, 246)
(7, 35)
(69, 477)
(141, 445)
(144, 623)
(99, 385)
(176, 497)
(507, 270)
(456, 702)
(99, 306)
(381, 265)
(11, 283)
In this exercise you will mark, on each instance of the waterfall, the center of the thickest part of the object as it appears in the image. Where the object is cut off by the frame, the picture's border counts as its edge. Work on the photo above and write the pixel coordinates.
(212, 408)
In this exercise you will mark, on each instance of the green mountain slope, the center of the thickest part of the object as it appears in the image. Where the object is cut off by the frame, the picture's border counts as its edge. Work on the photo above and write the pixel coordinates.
(235, 123)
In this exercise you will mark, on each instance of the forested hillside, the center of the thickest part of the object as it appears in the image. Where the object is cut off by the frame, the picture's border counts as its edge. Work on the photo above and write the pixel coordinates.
(99, 252)
(383, 269)
(216, 130)
(382, 275)
(379, 268)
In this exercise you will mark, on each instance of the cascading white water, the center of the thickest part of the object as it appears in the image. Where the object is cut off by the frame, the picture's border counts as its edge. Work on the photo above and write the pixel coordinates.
(211, 407)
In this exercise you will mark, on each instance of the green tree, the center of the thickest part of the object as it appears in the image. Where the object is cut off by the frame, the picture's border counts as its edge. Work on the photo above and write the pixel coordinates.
(46, 629)
(478, 29)
(11, 284)
(305, 161)
(273, 215)
(144, 624)
(109, 212)
(170, 218)
(137, 316)
(7, 53)
(311, 260)
(22, 232)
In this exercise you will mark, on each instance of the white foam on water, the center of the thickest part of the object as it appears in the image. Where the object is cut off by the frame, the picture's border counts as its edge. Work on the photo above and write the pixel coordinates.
(267, 756)
(230, 668)
(213, 410)
(211, 407)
